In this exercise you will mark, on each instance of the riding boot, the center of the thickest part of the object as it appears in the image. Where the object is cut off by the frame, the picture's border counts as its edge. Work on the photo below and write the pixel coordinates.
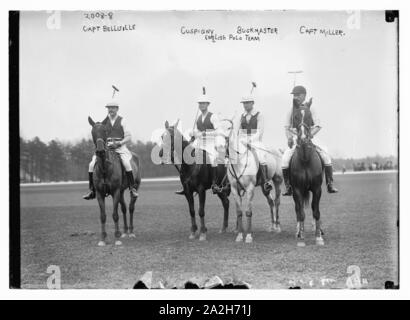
(214, 186)
(286, 180)
(329, 179)
(266, 184)
(181, 192)
(91, 194)
(131, 183)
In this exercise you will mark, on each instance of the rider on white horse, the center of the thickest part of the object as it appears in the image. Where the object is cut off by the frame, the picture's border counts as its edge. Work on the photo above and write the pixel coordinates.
(208, 136)
(117, 137)
(251, 128)
(299, 96)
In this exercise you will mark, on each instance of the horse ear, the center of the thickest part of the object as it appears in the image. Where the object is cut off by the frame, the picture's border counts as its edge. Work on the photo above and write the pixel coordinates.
(91, 121)
(176, 124)
(166, 124)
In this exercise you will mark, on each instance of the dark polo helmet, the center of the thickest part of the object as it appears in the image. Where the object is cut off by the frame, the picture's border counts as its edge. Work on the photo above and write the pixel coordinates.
(298, 90)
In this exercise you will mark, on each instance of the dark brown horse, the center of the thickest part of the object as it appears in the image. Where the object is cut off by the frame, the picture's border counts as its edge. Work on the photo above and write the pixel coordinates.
(306, 175)
(110, 179)
(194, 176)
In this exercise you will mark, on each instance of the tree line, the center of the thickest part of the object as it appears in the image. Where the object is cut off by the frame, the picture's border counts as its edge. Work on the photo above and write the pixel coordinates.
(68, 161)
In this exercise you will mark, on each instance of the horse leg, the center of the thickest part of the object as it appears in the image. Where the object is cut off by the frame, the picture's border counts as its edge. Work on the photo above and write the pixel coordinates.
(201, 213)
(225, 203)
(238, 204)
(271, 205)
(316, 215)
(131, 209)
(103, 218)
(190, 198)
(124, 214)
(300, 218)
(115, 217)
(250, 192)
(277, 181)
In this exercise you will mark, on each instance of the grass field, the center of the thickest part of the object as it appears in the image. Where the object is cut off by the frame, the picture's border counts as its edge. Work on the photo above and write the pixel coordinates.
(360, 225)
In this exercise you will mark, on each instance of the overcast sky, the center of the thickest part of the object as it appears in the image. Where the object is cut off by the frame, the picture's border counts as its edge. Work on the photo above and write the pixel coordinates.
(66, 74)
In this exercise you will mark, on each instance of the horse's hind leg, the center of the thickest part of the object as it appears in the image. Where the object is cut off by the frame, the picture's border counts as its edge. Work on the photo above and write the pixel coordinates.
(115, 217)
(225, 203)
(124, 214)
(131, 209)
(103, 218)
(316, 215)
(300, 218)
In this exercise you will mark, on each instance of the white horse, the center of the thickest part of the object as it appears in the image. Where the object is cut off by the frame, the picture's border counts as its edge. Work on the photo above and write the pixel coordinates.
(243, 175)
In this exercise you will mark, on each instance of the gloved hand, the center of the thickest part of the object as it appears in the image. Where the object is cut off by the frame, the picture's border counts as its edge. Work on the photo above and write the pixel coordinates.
(290, 143)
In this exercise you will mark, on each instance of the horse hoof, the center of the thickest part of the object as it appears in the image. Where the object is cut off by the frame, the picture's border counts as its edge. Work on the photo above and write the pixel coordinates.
(101, 243)
(202, 237)
(301, 244)
(278, 229)
(320, 242)
(132, 235)
(192, 236)
(124, 235)
(249, 238)
(118, 243)
(223, 230)
(239, 237)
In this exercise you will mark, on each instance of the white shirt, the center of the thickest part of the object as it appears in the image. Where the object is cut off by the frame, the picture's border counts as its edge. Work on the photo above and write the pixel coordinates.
(214, 120)
(260, 125)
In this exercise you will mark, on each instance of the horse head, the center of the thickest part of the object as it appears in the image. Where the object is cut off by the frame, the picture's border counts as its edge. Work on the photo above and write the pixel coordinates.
(99, 134)
(303, 124)
(169, 138)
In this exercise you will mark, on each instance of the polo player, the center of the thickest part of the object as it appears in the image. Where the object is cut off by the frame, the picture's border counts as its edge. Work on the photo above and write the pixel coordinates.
(207, 136)
(251, 132)
(299, 96)
(117, 137)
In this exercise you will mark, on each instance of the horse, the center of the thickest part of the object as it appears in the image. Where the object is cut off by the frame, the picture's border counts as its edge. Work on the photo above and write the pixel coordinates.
(195, 176)
(244, 175)
(306, 175)
(110, 179)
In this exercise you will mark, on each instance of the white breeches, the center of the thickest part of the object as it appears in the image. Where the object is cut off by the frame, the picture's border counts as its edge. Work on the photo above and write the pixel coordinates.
(214, 146)
(287, 155)
(125, 156)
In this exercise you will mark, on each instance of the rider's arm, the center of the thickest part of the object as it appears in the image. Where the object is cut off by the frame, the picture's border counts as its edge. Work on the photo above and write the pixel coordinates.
(259, 129)
(127, 134)
(316, 123)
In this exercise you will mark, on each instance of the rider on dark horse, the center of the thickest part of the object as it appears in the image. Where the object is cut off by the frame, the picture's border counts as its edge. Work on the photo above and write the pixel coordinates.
(299, 96)
(207, 136)
(117, 137)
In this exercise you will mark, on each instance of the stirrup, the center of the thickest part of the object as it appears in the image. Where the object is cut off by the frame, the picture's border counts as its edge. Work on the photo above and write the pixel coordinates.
(288, 192)
(216, 189)
(268, 186)
(180, 192)
(134, 192)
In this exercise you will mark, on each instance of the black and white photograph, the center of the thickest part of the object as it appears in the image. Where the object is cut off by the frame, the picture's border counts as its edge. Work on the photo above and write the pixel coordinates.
(241, 149)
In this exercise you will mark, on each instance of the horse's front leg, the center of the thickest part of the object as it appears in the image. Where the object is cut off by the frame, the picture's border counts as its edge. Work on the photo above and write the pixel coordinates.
(190, 198)
(103, 218)
(277, 181)
(238, 204)
(201, 213)
(250, 192)
(115, 217)
(316, 215)
(300, 218)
